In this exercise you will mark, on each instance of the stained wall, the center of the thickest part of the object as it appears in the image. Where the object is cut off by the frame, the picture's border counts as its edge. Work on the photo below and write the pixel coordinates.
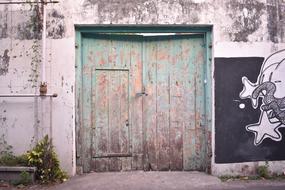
(250, 28)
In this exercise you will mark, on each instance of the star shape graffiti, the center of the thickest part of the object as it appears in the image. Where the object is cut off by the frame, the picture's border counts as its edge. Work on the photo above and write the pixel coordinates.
(247, 91)
(265, 129)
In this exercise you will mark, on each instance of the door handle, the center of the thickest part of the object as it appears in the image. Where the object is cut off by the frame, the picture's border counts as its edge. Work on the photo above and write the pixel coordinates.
(143, 93)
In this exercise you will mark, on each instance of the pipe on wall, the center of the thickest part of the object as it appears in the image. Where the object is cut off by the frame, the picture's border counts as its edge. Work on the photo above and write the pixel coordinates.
(43, 65)
(25, 2)
(27, 95)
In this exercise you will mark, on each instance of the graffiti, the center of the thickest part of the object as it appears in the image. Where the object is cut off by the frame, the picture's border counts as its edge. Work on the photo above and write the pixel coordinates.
(270, 87)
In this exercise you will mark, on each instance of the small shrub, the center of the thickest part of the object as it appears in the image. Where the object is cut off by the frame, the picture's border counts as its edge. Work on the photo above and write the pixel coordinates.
(7, 157)
(43, 157)
(22, 160)
(262, 171)
(224, 178)
(7, 160)
(12, 160)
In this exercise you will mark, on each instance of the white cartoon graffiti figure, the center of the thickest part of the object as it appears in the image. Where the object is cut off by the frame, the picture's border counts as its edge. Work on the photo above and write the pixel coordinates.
(270, 86)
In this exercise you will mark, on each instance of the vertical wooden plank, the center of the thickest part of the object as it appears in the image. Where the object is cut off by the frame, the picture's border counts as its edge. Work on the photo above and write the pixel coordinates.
(78, 100)
(100, 114)
(100, 49)
(208, 98)
(114, 105)
(189, 125)
(208, 71)
(114, 111)
(178, 115)
(124, 112)
(86, 104)
(136, 123)
(100, 119)
(150, 105)
(163, 103)
(100, 139)
(200, 148)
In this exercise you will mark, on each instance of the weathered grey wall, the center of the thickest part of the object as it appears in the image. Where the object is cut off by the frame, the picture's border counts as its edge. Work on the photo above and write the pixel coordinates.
(241, 28)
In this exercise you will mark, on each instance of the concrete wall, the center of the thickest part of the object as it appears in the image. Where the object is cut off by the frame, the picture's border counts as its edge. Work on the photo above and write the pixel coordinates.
(241, 28)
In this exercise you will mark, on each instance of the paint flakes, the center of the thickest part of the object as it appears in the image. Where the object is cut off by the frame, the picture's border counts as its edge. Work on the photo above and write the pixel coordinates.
(32, 27)
(246, 16)
(55, 25)
(276, 20)
(4, 62)
(3, 23)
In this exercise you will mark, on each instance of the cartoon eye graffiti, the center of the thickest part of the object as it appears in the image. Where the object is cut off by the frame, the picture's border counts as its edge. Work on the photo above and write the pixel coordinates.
(270, 87)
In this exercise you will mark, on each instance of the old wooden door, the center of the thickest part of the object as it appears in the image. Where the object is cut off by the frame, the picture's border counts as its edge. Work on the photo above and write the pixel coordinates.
(142, 103)
(112, 75)
(174, 108)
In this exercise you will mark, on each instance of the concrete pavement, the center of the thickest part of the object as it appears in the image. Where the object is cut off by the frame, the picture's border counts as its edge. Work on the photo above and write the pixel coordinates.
(161, 181)
(140, 180)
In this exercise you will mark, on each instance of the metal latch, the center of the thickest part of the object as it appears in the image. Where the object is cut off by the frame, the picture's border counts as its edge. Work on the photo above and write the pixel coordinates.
(143, 93)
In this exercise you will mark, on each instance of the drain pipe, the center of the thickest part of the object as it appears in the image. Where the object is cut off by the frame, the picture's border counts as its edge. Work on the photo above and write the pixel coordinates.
(43, 68)
(43, 84)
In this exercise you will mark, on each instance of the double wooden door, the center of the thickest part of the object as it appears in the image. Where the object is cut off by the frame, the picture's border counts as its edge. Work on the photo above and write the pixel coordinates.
(142, 103)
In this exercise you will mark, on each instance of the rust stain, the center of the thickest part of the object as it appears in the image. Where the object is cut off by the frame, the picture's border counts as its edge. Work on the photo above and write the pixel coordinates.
(162, 55)
(112, 58)
(102, 61)
(102, 80)
(138, 75)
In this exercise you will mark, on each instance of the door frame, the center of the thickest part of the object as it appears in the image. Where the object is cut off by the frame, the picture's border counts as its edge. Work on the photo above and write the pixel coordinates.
(82, 154)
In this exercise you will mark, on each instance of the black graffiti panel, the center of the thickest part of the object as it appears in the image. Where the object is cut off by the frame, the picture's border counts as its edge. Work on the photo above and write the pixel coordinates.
(249, 109)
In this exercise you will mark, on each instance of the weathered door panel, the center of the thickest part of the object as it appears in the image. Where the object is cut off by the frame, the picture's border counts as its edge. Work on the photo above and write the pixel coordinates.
(110, 112)
(194, 151)
(143, 103)
(136, 104)
(111, 78)
(149, 105)
(174, 108)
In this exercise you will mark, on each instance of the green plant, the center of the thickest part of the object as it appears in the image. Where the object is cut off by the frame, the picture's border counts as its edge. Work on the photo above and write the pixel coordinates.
(7, 157)
(25, 179)
(12, 160)
(8, 160)
(224, 178)
(4, 147)
(262, 171)
(43, 157)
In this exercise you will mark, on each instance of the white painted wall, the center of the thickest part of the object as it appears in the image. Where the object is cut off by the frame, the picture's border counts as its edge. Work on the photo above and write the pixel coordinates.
(24, 120)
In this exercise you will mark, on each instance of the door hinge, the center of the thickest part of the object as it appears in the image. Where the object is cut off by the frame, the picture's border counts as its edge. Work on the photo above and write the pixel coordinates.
(210, 45)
